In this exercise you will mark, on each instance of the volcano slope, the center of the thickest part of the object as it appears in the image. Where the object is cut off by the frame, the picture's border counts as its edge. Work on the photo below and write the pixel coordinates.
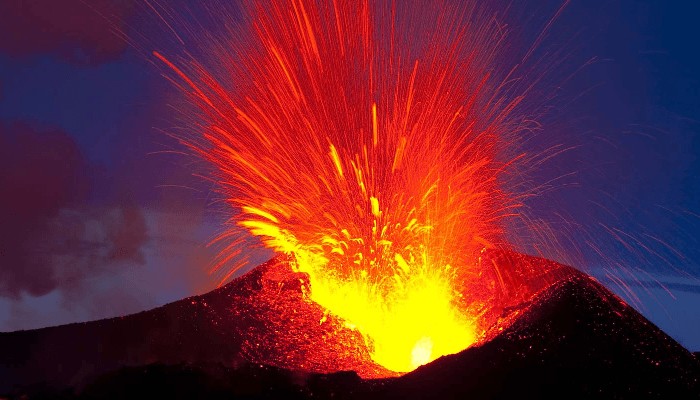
(549, 330)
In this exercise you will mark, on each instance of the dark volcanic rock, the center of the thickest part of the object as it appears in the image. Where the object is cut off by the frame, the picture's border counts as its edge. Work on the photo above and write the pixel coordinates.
(571, 339)
(576, 339)
(260, 316)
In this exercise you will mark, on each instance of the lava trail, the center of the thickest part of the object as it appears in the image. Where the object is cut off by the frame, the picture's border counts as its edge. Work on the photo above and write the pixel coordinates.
(371, 141)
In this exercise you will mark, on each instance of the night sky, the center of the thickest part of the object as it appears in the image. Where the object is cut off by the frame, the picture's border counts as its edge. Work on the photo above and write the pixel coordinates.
(101, 213)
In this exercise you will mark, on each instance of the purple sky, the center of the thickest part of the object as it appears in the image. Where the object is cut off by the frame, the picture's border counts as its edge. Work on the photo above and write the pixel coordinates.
(100, 218)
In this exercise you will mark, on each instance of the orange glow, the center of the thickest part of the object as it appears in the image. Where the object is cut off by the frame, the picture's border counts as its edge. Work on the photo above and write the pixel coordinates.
(408, 321)
(365, 140)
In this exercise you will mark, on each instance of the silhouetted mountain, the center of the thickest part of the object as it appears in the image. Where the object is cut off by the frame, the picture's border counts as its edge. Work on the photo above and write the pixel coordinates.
(558, 332)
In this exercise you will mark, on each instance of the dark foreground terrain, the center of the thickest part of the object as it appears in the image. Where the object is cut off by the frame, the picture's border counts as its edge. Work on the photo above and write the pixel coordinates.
(569, 338)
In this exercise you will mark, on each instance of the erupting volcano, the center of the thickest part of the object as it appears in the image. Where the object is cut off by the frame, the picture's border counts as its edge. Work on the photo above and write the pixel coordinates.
(377, 148)
(369, 141)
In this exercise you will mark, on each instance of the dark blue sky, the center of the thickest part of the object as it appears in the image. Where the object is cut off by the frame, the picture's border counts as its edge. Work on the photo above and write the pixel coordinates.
(67, 82)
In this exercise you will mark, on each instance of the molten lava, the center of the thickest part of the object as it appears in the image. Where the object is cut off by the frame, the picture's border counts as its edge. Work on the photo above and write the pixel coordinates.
(369, 140)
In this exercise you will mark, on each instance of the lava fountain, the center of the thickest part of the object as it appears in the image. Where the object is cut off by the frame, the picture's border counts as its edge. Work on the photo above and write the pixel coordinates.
(369, 141)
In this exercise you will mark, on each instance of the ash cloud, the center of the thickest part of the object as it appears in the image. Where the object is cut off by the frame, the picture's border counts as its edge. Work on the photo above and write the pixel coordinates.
(80, 32)
(51, 236)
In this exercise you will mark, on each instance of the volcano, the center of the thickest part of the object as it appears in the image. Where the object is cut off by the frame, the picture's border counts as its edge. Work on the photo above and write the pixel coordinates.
(549, 330)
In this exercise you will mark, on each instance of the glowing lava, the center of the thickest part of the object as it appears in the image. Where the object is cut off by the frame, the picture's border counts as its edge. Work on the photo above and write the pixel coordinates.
(367, 140)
